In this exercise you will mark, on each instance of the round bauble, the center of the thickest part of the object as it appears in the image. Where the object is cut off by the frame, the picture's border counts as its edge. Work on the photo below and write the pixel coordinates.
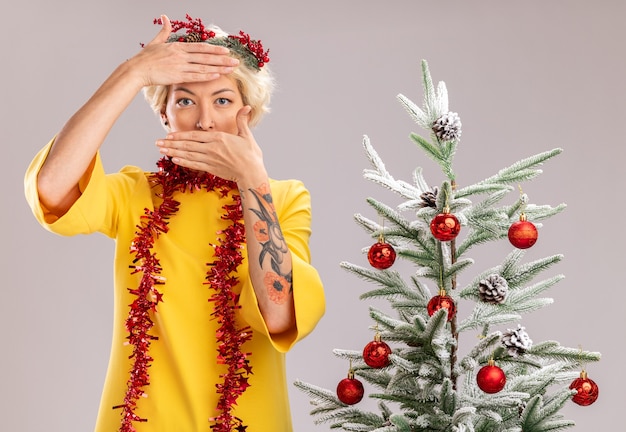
(381, 255)
(587, 389)
(445, 226)
(523, 234)
(376, 354)
(441, 301)
(350, 390)
(490, 378)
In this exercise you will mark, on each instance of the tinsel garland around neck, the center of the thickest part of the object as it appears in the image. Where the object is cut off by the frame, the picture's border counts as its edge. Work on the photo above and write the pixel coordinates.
(221, 278)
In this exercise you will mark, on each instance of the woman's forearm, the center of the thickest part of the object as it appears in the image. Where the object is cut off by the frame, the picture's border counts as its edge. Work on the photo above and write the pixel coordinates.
(269, 259)
(78, 141)
(158, 63)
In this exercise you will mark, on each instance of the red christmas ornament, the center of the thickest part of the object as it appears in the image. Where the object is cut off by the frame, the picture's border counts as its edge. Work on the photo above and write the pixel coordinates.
(445, 226)
(381, 255)
(442, 301)
(587, 390)
(376, 353)
(490, 378)
(523, 234)
(350, 390)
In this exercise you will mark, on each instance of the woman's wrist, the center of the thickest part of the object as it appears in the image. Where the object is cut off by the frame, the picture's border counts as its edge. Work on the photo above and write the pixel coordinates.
(252, 178)
(129, 71)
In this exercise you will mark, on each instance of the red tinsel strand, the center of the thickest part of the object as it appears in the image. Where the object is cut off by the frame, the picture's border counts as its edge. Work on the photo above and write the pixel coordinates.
(172, 178)
(230, 338)
(139, 323)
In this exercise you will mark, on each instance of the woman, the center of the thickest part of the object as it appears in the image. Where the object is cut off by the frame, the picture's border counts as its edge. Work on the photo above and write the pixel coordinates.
(213, 282)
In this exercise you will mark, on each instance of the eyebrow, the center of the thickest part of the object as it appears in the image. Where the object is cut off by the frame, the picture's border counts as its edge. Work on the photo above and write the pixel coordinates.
(216, 92)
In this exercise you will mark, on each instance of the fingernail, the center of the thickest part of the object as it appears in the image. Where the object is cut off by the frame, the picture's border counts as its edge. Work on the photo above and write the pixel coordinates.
(159, 143)
(234, 61)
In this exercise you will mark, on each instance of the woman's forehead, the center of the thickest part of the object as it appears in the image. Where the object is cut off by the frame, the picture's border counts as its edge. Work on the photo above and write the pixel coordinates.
(220, 85)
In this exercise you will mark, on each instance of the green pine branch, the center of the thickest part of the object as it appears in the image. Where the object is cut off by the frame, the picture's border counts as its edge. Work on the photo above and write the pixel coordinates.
(381, 176)
(541, 415)
(525, 169)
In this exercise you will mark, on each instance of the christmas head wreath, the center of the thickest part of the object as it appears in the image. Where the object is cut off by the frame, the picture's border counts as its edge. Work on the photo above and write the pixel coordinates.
(249, 50)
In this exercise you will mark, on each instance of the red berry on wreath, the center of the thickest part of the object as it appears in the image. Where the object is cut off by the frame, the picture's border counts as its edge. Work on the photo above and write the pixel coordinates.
(587, 390)
(381, 255)
(523, 234)
(376, 353)
(490, 378)
(442, 301)
(445, 226)
(350, 390)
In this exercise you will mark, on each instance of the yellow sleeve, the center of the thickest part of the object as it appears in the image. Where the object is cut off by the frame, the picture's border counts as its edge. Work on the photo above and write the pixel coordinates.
(293, 206)
(96, 208)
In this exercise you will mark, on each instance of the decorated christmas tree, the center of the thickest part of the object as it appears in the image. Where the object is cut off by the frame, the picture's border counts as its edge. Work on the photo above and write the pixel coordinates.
(422, 382)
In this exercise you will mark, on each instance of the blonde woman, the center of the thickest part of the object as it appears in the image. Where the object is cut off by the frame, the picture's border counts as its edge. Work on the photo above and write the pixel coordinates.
(213, 281)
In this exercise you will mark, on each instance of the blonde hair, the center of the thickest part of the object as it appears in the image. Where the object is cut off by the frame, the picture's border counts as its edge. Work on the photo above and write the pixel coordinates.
(255, 86)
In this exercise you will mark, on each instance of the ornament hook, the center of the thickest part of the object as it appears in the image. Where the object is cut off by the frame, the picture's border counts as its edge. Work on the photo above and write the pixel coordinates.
(381, 235)
(523, 198)
(580, 358)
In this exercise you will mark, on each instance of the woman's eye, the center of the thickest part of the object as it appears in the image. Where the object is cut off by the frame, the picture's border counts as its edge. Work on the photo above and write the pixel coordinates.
(222, 101)
(184, 102)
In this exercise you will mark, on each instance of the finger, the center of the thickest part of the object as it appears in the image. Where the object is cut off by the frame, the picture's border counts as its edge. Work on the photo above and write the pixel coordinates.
(176, 139)
(206, 48)
(185, 150)
(243, 119)
(164, 33)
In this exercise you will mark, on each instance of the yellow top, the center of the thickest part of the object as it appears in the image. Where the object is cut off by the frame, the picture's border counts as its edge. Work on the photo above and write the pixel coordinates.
(181, 396)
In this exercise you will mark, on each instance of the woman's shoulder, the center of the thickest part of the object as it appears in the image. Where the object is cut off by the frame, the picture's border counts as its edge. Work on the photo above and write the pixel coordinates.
(132, 174)
(129, 180)
(286, 184)
(133, 171)
(288, 187)
(289, 192)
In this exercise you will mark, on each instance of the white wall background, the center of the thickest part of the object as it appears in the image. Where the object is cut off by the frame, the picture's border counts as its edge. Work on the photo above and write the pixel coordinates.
(524, 76)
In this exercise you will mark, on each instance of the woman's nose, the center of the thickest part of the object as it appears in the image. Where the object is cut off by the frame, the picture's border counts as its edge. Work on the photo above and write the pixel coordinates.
(205, 122)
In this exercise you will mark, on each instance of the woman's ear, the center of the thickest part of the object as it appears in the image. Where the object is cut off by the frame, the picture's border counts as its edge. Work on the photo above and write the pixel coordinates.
(164, 121)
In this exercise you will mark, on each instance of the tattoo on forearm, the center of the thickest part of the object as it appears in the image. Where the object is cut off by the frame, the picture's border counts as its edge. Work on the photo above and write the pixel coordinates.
(273, 246)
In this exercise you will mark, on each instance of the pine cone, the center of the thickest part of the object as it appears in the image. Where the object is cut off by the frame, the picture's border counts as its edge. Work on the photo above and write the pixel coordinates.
(493, 289)
(448, 127)
(517, 342)
(429, 198)
(193, 37)
(520, 408)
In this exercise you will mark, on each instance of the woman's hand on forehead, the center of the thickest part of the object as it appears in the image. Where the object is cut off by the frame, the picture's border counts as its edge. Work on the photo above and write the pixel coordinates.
(163, 63)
